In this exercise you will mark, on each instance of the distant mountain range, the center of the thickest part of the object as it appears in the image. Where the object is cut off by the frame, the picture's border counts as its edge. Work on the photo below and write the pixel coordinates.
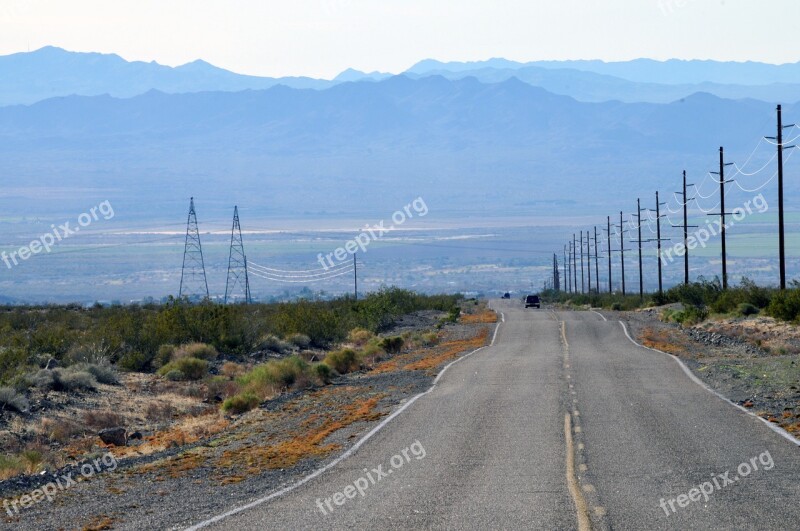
(672, 72)
(469, 148)
(26, 78)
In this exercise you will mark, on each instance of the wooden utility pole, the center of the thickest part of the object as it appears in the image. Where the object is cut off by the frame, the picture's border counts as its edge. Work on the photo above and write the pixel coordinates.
(781, 229)
(722, 213)
(622, 250)
(686, 228)
(610, 285)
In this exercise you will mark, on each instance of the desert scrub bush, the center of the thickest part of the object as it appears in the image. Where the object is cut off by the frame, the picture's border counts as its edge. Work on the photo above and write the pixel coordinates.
(691, 315)
(163, 355)
(700, 293)
(343, 361)
(73, 380)
(220, 386)
(93, 353)
(64, 380)
(452, 316)
(231, 370)
(174, 375)
(60, 430)
(190, 368)
(616, 306)
(103, 373)
(273, 343)
(14, 362)
(372, 354)
(132, 335)
(359, 336)
(323, 372)
(267, 379)
(134, 361)
(785, 305)
(746, 309)
(241, 403)
(301, 341)
(200, 351)
(10, 466)
(11, 400)
(392, 345)
(32, 459)
(430, 338)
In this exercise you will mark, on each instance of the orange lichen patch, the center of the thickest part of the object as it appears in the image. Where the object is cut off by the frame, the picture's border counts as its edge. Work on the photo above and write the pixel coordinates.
(183, 463)
(308, 442)
(487, 317)
(189, 431)
(661, 340)
(387, 366)
(450, 350)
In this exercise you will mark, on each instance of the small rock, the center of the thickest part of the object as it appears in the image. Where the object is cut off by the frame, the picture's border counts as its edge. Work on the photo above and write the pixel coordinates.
(115, 436)
(135, 435)
(748, 403)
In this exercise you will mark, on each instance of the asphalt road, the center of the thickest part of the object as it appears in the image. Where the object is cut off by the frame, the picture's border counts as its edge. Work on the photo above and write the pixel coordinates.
(563, 423)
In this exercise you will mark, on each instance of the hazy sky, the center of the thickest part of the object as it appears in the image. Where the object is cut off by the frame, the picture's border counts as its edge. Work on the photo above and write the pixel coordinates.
(320, 38)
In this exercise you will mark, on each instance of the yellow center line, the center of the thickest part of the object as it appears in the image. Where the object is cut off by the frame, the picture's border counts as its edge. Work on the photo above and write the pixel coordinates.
(584, 524)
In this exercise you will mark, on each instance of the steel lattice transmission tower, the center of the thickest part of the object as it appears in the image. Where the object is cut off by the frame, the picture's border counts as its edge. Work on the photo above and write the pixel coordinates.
(193, 273)
(238, 281)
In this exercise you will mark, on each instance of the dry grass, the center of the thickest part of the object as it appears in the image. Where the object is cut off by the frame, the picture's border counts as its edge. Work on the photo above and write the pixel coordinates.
(99, 420)
(450, 350)
(188, 431)
(486, 317)
(59, 430)
(794, 429)
(232, 370)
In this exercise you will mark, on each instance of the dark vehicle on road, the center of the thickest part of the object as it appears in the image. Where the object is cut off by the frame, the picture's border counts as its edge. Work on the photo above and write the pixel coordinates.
(533, 301)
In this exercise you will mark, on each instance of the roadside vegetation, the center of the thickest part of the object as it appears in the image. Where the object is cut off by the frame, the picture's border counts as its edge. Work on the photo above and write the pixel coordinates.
(699, 300)
(147, 338)
(67, 373)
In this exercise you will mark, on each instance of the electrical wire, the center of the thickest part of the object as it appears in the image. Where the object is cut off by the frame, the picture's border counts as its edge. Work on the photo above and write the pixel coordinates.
(300, 281)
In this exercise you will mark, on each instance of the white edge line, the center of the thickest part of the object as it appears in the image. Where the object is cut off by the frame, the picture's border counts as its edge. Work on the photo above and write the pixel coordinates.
(780, 431)
(600, 314)
(348, 453)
